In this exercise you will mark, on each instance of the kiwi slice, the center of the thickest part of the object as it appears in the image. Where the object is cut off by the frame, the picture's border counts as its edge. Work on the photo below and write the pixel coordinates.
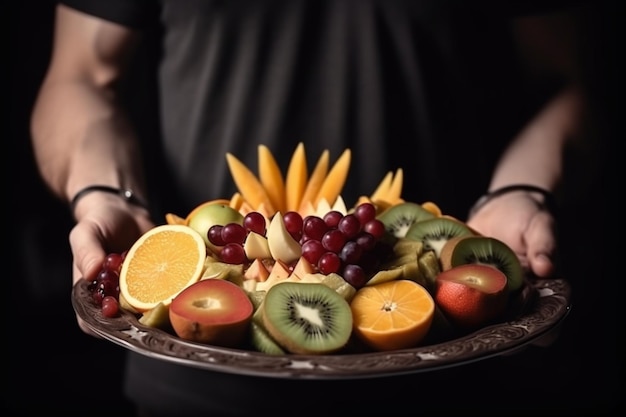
(261, 341)
(402, 263)
(490, 251)
(307, 318)
(429, 268)
(259, 338)
(399, 218)
(402, 267)
(404, 246)
(435, 232)
(257, 297)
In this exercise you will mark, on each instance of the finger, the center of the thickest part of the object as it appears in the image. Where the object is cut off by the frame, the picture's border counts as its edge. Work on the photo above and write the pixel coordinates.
(76, 274)
(87, 251)
(541, 244)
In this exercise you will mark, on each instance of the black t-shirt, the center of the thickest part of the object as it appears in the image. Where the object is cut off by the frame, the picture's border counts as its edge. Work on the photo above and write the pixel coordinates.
(429, 86)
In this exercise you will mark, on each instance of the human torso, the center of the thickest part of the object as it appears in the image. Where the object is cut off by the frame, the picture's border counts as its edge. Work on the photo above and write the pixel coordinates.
(411, 84)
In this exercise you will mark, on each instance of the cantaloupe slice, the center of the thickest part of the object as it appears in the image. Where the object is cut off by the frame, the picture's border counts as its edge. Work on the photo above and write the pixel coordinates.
(249, 186)
(316, 179)
(383, 187)
(395, 189)
(336, 179)
(296, 178)
(236, 201)
(432, 207)
(171, 218)
(272, 178)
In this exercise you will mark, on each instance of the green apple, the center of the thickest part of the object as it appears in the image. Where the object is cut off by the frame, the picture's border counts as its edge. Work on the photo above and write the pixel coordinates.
(213, 214)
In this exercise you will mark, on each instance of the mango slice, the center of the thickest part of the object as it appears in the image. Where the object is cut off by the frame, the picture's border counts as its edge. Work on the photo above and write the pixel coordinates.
(296, 178)
(271, 178)
(336, 178)
(249, 186)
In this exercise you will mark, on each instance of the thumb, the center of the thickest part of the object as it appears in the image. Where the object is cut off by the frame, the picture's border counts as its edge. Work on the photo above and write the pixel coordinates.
(541, 244)
(87, 252)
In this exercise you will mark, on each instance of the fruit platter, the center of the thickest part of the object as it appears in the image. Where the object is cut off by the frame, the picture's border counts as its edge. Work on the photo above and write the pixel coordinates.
(284, 279)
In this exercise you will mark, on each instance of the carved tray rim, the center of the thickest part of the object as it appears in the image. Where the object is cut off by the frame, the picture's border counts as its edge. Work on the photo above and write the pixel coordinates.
(538, 323)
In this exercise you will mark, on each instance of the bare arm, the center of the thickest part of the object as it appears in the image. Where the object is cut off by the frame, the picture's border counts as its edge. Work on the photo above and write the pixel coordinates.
(535, 156)
(548, 47)
(80, 136)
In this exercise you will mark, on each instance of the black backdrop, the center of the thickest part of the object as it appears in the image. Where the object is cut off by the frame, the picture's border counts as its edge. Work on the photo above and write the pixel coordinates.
(50, 365)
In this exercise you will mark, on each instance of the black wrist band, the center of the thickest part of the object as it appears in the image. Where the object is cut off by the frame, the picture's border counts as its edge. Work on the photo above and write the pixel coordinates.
(127, 195)
(548, 202)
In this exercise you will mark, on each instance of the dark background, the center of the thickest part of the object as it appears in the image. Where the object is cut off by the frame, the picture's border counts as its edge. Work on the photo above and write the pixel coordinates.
(50, 365)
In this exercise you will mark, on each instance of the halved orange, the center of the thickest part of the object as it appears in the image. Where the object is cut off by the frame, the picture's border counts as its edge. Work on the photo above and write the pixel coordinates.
(392, 315)
(160, 264)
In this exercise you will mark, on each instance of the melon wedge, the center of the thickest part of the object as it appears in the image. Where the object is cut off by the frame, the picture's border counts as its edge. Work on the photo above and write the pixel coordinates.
(296, 179)
(335, 180)
(249, 186)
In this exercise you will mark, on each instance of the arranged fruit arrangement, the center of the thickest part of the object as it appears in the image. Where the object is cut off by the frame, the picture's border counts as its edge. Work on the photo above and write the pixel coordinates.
(284, 266)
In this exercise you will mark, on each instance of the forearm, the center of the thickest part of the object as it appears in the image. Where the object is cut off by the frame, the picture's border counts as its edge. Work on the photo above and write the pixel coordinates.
(80, 138)
(535, 156)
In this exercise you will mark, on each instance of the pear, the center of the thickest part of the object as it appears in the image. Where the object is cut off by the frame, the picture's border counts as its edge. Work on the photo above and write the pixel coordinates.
(283, 247)
(256, 246)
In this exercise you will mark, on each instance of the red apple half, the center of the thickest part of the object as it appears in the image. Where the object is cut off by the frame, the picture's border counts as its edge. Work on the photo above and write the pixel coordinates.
(471, 295)
(212, 311)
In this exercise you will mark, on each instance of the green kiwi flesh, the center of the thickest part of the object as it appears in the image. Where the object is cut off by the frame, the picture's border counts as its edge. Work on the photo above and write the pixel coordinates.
(490, 251)
(402, 263)
(307, 318)
(429, 268)
(399, 218)
(261, 340)
(435, 232)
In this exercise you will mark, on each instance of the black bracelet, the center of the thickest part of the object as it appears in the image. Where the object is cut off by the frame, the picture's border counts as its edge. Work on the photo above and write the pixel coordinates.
(548, 201)
(127, 195)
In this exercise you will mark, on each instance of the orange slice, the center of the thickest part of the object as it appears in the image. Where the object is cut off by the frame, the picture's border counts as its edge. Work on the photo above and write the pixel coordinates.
(392, 315)
(160, 264)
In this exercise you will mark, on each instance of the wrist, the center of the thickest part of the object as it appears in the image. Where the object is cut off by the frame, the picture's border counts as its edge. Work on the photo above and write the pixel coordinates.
(126, 195)
(544, 197)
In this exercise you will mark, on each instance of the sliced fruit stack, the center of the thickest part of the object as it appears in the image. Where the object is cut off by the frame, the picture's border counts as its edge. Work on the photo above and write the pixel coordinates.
(283, 266)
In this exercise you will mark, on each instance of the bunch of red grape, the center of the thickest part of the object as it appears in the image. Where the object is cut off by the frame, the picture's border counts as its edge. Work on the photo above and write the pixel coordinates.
(347, 244)
(105, 288)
